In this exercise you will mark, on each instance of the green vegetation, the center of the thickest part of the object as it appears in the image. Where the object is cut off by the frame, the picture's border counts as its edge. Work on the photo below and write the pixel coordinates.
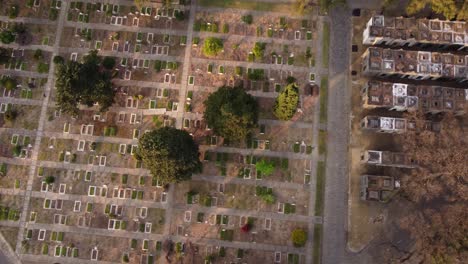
(108, 63)
(227, 234)
(266, 194)
(43, 67)
(318, 229)
(248, 19)
(170, 154)
(265, 167)
(286, 102)
(49, 179)
(323, 99)
(258, 50)
(58, 59)
(450, 9)
(231, 113)
(325, 5)
(301, 7)
(299, 237)
(320, 188)
(38, 55)
(8, 83)
(250, 5)
(212, 46)
(325, 44)
(7, 36)
(83, 83)
(322, 142)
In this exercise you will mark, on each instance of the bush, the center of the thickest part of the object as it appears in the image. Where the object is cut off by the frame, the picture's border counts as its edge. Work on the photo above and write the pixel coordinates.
(7, 37)
(299, 237)
(58, 59)
(212, 46)
(8, 82)
(11, 114)
(49, 179)
(290, 79)
(286, 102)
(38, 55)
(265, 167)
(258, 49)
(13, 12)
(247, 19)
(179, 15)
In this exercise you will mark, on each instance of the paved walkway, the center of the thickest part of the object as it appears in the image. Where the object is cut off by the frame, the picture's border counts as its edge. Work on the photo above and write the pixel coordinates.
(339, 105)
(42, 119)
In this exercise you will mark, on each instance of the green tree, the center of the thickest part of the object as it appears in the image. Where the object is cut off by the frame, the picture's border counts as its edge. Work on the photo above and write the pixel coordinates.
(450, 9)
(83, 83)
(265, 167)
(299, 237)
(6, 36)
(212, 46)
(108, 63)
(231, 113)
(11, 114)
(286, 102)
(170, 154)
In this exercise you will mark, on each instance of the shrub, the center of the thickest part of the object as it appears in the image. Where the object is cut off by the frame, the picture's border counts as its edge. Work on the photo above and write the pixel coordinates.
(7, 37)
(11, 114)
(13, 12)
(299, 237)
(58, 59)
(38, 55)
(258, 49)
(265, 167)
(286, 102)
(49, 179)
(248, 19)
(17, 150)
(8, 82)
(212, 46)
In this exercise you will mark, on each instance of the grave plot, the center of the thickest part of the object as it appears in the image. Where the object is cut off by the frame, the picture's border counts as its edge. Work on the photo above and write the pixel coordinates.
(243, 50)
(13, 176)
(29, 60)
(132, 97)
(16, 145)
(52, 211)
(25, 117)
(54, 149)
(45, 9)
(237, 22)
(25, 88)
(10, 207)
(210, 74)
(67, 245)
(151, 16)
(282, 138)
(31, 34)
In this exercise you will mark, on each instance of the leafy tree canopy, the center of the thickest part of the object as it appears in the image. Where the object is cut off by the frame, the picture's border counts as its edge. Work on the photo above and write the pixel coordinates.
(170, 154)
(108, 63)
(259, 49)
(212, 46)
(231, 113)
(83, 83)
(450, 9)
(286, 102)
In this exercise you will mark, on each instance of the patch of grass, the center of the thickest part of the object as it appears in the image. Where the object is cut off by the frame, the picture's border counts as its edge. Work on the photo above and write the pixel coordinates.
(323, 99)
(250, 5)
(320, 188)
(227, 234)
(322, 142)
(318, 229)
(325, 44)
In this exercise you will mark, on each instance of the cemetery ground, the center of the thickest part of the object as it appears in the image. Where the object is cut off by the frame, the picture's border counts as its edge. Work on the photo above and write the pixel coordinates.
(71, 189)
